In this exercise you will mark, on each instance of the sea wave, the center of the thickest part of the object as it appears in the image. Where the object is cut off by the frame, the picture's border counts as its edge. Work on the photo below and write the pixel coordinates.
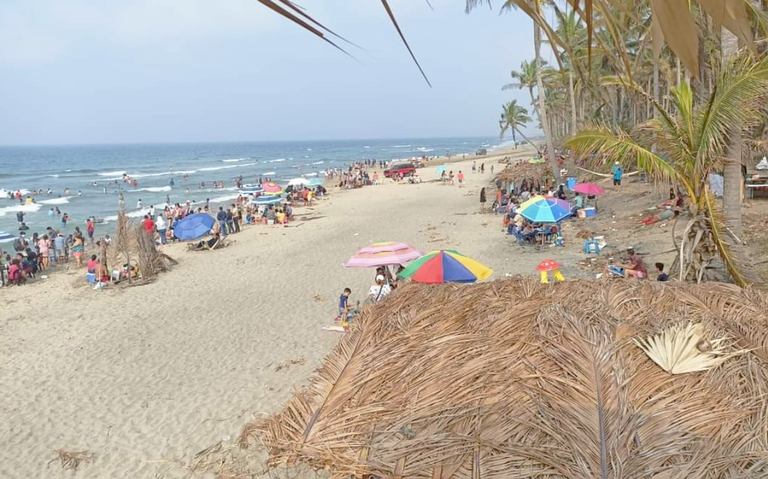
(221, 199)
(426, 149)
(4, 193)
(217, 168)
(56, 201)
(233, 160)
(318, 163)
(26, 208)
(269, 173)
(277, 160)
(112, 173)
(152, 189)
(402, 146)
(51, 176)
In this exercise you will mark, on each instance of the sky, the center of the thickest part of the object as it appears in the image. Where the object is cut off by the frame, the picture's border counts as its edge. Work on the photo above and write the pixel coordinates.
(162, 71)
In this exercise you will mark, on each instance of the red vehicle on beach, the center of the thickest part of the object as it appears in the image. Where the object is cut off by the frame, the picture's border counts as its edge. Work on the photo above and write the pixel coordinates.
(405, 169)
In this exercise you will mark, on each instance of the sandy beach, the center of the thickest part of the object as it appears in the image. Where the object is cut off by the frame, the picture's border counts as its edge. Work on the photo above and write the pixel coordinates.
(145, 377)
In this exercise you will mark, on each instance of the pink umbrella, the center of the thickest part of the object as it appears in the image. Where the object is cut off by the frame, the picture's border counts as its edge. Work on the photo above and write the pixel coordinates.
(382, 258)
(384, 246)
(589, 189)
(271, 188)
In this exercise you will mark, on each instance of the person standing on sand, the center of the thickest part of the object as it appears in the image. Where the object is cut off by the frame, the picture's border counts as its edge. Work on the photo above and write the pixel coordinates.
(221, 216)
(618, 172)
(482, 199)
(78, 249)
(90, 228)
(161, 228)
(461, 178)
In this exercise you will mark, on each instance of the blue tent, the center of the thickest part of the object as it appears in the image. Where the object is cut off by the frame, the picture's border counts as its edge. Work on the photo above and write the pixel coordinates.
(193, 226)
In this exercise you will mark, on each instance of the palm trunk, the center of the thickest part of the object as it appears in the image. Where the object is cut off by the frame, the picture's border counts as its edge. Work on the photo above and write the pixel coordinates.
(732, 176)
(514, 129)
(573, 101)
(542, 107)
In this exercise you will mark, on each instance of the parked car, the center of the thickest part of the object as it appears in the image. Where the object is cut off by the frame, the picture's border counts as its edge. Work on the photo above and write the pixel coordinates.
(405, 169)
(481, 152)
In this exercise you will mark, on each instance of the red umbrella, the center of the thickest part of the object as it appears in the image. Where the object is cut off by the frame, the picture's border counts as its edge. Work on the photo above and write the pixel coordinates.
(589, 189)
(548, 265)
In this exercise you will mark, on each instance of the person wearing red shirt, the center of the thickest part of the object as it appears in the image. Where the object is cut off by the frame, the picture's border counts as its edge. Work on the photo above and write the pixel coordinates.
(149, 225)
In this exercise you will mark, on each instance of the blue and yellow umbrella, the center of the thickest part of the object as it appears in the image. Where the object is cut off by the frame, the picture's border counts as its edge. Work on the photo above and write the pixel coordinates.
(446, 266)
(545, 210)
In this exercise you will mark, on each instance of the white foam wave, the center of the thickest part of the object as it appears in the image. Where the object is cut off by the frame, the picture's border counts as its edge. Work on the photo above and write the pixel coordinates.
(112, 173)
(56, 201)
(366, 146)
(27, 208)
(318, 163)
(221, 199)
(52, 176)
(426, 149)
(216, 168)
(269, 173)
(233, 160)
(4, 193)
(153, 189)
(279, 160)
(402, 146)
(311, 174)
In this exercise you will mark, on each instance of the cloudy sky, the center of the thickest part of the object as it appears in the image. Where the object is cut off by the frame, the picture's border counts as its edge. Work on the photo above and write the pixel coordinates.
(104, 71)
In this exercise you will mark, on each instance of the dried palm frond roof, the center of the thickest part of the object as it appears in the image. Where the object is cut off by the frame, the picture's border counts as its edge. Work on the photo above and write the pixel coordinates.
(525, 171)
(518, 379)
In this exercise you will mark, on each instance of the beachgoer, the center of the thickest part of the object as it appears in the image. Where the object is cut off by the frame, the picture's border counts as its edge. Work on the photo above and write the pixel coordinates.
(20, 217)
(64, 219)
(578, 202)
(634, 267)
(42, 247)
(344, 305)
(662, 276)
(230, 221)
(221, 216)
(139, 204)
(89, 228)
(618, 172)
(161, 228)
(482, 199)
(92, 265)
(379, 290)
(461, 178)
(77, 250)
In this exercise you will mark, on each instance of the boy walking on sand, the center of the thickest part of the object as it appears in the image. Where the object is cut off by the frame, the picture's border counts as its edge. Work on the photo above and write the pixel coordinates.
(343, 316)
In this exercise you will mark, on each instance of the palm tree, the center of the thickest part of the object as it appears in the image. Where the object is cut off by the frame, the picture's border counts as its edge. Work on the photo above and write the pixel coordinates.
(514, 116)
(688, 147)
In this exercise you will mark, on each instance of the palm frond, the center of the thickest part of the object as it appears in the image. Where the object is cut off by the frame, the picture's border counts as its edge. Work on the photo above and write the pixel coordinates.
(605, 143)
(684, 348)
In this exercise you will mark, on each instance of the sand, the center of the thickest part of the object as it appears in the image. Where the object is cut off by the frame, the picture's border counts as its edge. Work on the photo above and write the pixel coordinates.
(145, 377)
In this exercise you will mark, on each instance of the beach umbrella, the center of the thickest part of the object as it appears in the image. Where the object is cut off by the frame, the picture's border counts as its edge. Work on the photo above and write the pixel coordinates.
(251, 188)
(446, 266)
(315, 182)
(529, 202)
(546, 210)
(272, 188)
(268, 200)
(384, 246)
(440, 170)
(589, 189)
(382, 258)
(193, 226)
(298, 181)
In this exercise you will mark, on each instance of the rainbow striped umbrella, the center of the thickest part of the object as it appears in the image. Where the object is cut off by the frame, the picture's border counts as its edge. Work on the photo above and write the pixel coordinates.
(272, 188)
(382, 254)
(446, 266)
(546, 210)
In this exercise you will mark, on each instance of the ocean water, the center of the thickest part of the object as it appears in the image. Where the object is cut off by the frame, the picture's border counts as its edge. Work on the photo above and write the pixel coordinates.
(86, 170)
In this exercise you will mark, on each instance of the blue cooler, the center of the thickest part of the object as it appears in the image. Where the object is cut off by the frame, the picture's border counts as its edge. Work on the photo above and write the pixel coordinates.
(590, 211)
(571, 182)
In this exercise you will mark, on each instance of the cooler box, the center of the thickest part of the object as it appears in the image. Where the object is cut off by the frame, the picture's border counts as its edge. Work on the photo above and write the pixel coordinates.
(590, 212)
(571, 182)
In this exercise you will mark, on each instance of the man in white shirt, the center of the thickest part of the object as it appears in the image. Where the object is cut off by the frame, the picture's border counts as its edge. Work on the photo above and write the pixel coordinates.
(379, 290)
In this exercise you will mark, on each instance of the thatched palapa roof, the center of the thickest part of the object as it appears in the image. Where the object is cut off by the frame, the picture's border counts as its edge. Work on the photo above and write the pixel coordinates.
(519, 379)
(533, 174)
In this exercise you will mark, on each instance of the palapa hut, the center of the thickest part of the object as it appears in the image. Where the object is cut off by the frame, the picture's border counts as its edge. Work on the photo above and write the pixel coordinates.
(526, 175)
(518, 379)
